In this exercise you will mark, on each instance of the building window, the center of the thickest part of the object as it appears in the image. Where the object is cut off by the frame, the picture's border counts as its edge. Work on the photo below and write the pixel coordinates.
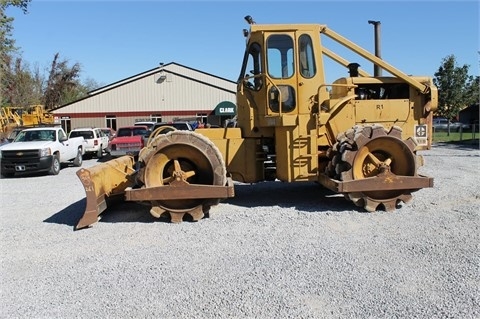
(66, 124)
(156, 117)
(111, 121)
(202, 117)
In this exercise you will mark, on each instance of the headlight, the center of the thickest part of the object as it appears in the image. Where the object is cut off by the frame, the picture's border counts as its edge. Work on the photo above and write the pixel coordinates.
(0, 154)
(45, 152)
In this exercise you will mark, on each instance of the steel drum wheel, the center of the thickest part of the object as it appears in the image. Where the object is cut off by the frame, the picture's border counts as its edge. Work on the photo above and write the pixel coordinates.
(364, 152)
(182, 157)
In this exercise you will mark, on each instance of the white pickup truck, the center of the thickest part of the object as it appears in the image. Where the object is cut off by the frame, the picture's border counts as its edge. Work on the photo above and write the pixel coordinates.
(41, 149)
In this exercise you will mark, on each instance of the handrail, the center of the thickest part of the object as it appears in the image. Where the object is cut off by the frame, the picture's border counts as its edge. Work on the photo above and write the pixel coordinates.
(424, 89)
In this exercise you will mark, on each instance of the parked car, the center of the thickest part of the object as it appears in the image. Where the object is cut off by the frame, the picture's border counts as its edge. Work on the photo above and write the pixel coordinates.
(169, 126)
(148, 124)
(14, 132)
(180, 125)
(231, 122)
(129, 140)
(3, 141)
(41, 149)
(97, 141)
(108, 131)
(441, 125)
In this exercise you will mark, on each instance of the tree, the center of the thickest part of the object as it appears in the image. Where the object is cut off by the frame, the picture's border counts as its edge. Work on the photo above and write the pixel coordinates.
(21, 86)
(7, 43)
(90, 84)
(472, 91)
(452, 83)
(62, 84)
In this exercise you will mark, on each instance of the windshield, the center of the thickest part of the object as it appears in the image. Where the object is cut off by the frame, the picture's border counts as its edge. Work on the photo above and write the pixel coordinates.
(124, 132)
(132, 131)
(139, 131)
(38, 135)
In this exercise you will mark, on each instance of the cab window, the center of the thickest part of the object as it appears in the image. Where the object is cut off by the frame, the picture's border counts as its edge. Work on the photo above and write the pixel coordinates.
(252, 71)
(306, 57)
(61, 135)
(280, 56)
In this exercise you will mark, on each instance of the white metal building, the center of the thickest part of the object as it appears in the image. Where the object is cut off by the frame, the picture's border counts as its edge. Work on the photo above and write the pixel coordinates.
(167, 93)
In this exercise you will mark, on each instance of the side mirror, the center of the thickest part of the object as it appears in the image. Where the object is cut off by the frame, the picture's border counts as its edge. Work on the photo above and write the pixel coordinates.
(63, 139)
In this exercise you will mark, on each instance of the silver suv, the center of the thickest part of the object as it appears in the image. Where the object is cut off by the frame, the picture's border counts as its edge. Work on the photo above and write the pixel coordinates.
(97, 141)
(169, 126)
(181, 125)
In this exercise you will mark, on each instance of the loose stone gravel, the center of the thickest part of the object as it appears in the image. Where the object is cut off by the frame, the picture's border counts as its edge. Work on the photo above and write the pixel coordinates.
(275, 250)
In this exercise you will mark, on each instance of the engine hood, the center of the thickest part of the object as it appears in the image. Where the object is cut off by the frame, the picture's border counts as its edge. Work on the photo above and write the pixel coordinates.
(32, 145)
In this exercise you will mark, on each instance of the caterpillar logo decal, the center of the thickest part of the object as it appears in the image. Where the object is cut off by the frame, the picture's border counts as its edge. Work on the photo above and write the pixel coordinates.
(421, 134)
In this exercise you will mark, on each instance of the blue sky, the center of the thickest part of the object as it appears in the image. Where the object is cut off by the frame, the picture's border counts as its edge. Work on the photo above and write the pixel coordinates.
(112, 40)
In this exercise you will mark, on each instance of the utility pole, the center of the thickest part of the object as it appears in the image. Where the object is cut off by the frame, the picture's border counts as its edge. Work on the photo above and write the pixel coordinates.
(376, 69)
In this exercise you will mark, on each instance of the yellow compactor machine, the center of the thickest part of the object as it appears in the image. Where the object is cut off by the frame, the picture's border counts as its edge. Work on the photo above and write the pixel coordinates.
(357, 136)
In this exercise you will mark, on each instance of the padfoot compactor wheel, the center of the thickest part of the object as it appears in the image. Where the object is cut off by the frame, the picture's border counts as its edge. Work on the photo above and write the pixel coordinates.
(178, 159)
(371, 151)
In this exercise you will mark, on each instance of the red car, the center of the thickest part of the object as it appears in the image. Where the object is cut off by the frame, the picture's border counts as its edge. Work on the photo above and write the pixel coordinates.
(128, 140)
(108, 131)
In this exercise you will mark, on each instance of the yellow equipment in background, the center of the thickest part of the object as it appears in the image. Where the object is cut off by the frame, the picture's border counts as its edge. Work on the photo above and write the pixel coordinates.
(357, 136)
(36, 115)
(9, 119)
(12, 117)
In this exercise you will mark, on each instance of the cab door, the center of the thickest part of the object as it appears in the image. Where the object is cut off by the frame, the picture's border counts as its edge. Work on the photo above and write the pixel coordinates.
(66, 150)
(281, 73)
(251, 90)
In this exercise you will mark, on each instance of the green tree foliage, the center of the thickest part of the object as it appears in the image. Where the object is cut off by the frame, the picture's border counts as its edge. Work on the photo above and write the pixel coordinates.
(454, 86)
(7, 42)
(21, 86)
(472, 94)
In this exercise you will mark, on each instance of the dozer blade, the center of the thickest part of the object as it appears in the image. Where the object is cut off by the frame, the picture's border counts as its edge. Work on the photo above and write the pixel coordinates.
(375, 183)
(102, 183)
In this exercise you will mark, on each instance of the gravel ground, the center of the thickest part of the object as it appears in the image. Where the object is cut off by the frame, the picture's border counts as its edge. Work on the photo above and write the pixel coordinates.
(276, 250)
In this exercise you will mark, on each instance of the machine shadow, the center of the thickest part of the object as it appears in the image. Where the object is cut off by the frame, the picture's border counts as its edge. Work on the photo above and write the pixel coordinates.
(302, 196)
(70, 215)
(306, 197)
(122, 212)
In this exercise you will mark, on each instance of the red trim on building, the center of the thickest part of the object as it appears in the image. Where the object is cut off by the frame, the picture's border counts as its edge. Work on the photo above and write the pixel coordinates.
(134, 114)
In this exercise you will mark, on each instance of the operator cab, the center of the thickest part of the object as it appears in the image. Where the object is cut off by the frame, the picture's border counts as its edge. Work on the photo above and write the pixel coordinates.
(282, 71)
